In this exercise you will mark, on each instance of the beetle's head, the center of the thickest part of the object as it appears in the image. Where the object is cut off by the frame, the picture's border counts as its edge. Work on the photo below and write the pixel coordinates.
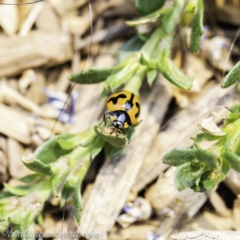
(117, 124)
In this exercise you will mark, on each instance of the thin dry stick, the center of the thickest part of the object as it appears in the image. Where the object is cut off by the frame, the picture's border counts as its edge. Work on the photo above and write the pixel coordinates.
(88, 55)
(22, 3)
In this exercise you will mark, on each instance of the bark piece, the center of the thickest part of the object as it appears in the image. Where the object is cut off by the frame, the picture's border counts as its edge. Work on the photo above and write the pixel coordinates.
(117, 176)
(15, 124)
(207, 235)
(36, 49)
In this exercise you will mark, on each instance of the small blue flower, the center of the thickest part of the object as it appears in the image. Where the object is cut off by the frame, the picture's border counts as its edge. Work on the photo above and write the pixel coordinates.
(58, 101)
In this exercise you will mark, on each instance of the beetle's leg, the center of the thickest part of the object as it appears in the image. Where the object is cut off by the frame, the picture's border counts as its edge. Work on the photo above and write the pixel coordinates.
(128, 130)
(106, 116)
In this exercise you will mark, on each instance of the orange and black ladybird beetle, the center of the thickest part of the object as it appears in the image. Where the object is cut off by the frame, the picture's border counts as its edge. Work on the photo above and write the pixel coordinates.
(124, 110)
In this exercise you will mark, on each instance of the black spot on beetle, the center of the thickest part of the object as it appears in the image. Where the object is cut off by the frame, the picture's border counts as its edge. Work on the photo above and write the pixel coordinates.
(114, 100)
(129, 103)
(138, 113)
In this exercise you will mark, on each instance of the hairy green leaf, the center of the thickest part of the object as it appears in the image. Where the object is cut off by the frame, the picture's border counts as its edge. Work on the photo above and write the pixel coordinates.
(171, 19)
(112, 136)
(187, 175)
(205, 137)
(72, 140)
(232, 77)
(116, 80)
(212, 179)
(179, 156)
(150, 18)
(37, 166)
(206, 157)
(20, 190)
(67, 192)
(234, 109)
(128, 48)
(197, 27)
(152, 63)
(148, 6)
(94, 75)
(50, 150)
(31, 178)
(151, 76)
(233, 159)
(172, 73)
(77, 203)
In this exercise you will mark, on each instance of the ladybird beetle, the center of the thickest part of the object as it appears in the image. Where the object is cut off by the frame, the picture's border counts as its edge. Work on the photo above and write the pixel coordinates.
(124, 109)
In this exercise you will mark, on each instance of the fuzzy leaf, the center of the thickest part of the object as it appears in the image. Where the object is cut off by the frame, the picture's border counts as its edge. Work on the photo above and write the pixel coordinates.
(150, 18)
(20, 190)
(232, 77)
(150, 47)
(206, 157)
(234, 109)
(171, 19)
(116, 80)
(173, 74)
(212, 179)
(198, 187)
(67, 192)
(131, 46)
(37, 166)
(70, 141)
(148, 6)
(197, 27)
(205, 137)
(232, 117)
(233, 159)
(179, 156)
(111, 151)
(112, 136)
(93, 75)
(151, 76)
(31, 178)
(97, 146)
(50, 150)
(225, 166)
(56, 182)
(187, 175)
(77, 203)
(152, 63)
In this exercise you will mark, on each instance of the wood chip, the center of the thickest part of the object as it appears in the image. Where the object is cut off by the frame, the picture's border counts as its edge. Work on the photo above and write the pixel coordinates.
(233, 181)
(10, 96)
(218, 204)
(9, 18)
(117, 176)
(30, 20)
(3, 167)
(47, 20)
(15, 152)
(136, 231)
(236, 213)
(36, 91)
(15, 124)
(207, 235)
(38, 48)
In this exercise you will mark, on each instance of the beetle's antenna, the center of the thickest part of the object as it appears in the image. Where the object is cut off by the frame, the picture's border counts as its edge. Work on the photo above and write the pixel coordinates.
(88, 55)
(1, 3)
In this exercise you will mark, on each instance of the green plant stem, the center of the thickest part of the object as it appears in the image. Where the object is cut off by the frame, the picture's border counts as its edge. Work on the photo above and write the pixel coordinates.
(136, 81)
